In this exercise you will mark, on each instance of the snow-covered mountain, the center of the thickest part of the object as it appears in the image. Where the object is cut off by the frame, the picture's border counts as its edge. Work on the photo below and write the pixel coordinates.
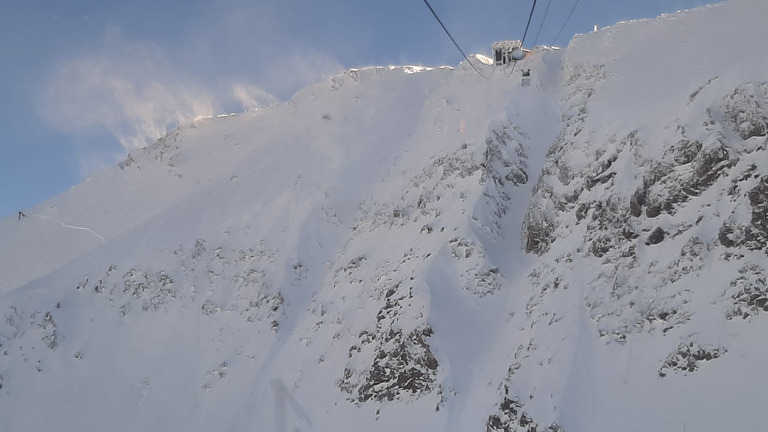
(411, 248)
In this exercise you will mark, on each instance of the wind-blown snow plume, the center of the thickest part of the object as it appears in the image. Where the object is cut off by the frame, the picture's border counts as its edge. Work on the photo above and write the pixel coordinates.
(134, 94)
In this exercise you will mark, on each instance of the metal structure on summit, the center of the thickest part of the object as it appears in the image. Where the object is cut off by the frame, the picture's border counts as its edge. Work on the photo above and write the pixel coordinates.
(508, 52)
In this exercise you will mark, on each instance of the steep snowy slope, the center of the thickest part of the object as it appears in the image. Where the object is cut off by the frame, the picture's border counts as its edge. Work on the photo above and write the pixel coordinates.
(320, 243)
(409, 248)
(650, 220)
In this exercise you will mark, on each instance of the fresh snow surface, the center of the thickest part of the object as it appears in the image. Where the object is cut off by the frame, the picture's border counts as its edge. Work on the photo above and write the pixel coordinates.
(409, 248)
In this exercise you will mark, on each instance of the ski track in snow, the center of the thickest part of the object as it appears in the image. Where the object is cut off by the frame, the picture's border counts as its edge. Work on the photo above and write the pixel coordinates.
(71, 226)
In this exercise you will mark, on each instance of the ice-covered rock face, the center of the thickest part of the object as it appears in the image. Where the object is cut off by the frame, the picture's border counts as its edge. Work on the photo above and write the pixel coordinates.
(747, 110)
(578, 196)
(649, 218)
(391, 358)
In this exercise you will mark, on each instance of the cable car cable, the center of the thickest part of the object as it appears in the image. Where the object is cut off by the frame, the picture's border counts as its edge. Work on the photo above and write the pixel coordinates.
(561, 28)
(544, 18)
(454, 40)
(566, 22)
(541, 25)
(522, 42)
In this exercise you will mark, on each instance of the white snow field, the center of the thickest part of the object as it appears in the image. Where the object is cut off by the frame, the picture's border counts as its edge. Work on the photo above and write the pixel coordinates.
(407, 248)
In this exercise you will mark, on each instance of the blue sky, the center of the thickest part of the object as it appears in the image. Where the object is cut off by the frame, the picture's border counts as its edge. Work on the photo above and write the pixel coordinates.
(84, 81)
